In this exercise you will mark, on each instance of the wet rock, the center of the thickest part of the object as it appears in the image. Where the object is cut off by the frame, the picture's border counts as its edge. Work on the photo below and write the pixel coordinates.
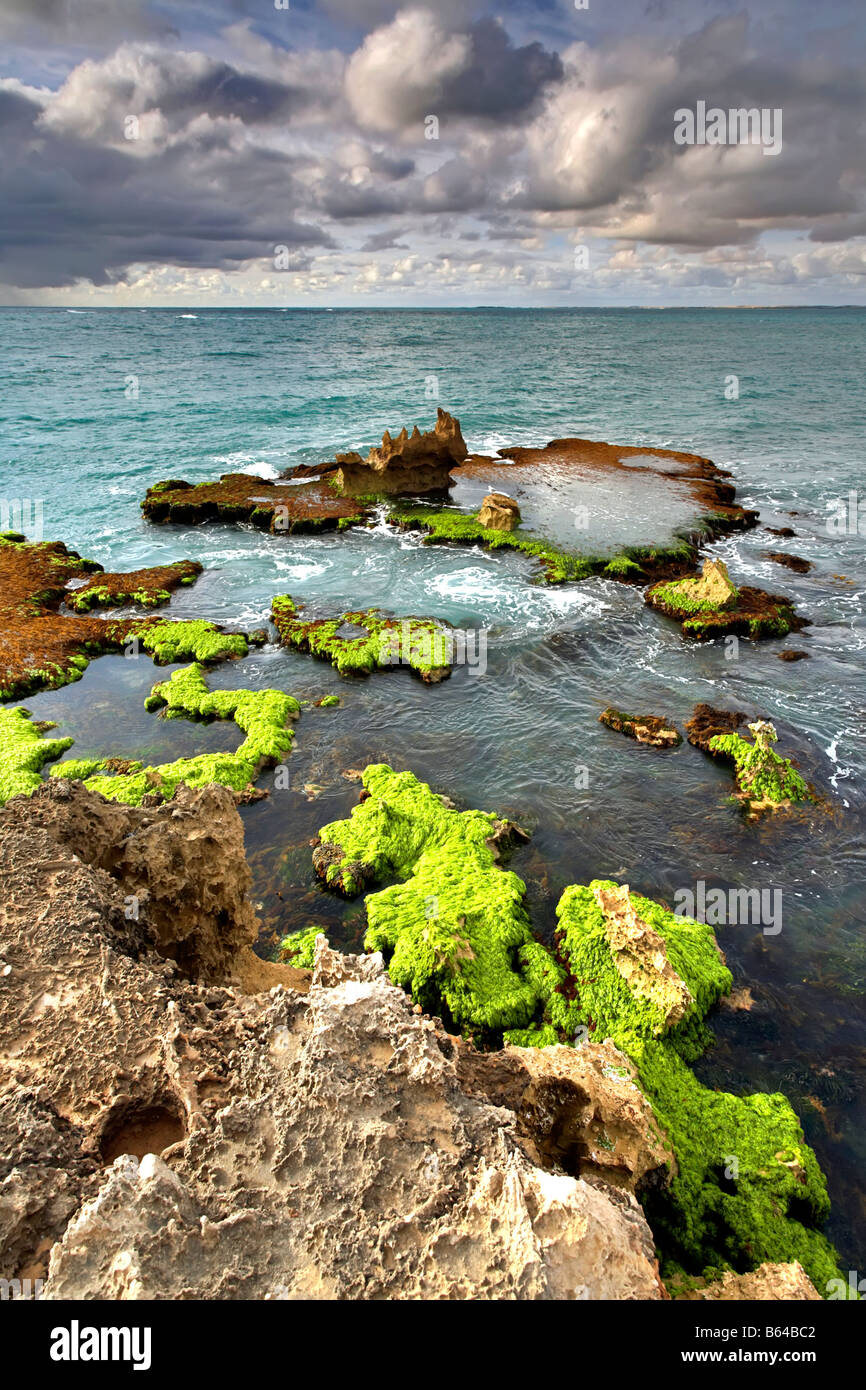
(707, 722)
(652, 729)
(709, 605)
(792, 562)
(640, 956)
(791, 655)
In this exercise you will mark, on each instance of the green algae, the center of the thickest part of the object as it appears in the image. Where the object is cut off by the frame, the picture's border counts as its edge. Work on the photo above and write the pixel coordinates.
(446, 526)
(298, 948)
(262, 715)
(418, 643)
(329, 702)
(82, 601)
(24, 752)
(746, 1187)
(762, 774)
(190, 640)
(452, 929)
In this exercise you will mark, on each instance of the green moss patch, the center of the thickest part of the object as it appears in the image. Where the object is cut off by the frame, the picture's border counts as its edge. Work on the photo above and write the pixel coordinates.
(263, 715)
(763, 778)
(379, 643)
(456, 936)
(24, 751)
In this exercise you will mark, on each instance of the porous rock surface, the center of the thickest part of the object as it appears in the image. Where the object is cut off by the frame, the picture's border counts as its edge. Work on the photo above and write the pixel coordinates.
(167, 1135)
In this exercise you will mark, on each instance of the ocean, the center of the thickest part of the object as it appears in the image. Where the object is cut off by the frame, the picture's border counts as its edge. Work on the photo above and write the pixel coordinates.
(95, 406)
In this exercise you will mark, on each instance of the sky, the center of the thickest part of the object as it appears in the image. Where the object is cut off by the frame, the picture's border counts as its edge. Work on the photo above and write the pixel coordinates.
(377, 153)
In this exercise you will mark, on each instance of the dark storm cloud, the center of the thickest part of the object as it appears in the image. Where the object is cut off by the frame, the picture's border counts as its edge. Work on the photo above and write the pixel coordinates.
(72, 210)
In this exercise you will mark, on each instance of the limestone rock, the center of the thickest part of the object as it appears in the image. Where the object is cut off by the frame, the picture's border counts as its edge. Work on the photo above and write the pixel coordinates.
(165, 1138)
(499, 512)
(640, 955)
(410, 463)
(767, 1282)
(715, 586)
(578, 1108)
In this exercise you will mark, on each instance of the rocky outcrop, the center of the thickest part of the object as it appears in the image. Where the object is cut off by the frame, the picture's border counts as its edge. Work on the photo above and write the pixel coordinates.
(164, 1136)
(413, 462)
(709, 605)
(499, 512)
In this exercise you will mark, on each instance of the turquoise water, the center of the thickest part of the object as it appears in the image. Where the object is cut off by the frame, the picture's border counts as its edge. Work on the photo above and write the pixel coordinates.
(233, 390)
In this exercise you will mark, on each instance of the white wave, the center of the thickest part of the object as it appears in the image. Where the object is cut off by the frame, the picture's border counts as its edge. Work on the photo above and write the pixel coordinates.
(187, 316)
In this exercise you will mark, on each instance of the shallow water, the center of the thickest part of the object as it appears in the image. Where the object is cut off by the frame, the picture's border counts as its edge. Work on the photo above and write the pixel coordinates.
(264, 391)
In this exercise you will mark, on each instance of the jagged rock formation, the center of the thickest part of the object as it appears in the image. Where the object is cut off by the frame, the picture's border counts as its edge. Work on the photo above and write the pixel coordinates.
(166, 1135)
(413, 462)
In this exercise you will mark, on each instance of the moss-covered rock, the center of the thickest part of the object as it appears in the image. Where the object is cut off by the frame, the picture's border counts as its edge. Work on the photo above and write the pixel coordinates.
(709, 605)
(764, 779)
(263, 715)
(379, 642)
(454, 929)
(24, 751)
(453, 926)
(194, 640)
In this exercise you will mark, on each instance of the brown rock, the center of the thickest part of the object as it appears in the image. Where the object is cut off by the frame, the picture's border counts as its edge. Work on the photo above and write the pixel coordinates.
(413, 462)
(652, 729)
(499, 512)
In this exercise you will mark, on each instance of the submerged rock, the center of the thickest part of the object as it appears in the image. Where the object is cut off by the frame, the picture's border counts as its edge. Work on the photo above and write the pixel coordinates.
(652, 729)
(264, 716)
(792, 562)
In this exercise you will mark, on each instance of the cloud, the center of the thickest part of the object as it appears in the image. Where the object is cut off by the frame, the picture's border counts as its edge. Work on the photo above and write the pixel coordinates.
(417, 66)
(243, 142)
